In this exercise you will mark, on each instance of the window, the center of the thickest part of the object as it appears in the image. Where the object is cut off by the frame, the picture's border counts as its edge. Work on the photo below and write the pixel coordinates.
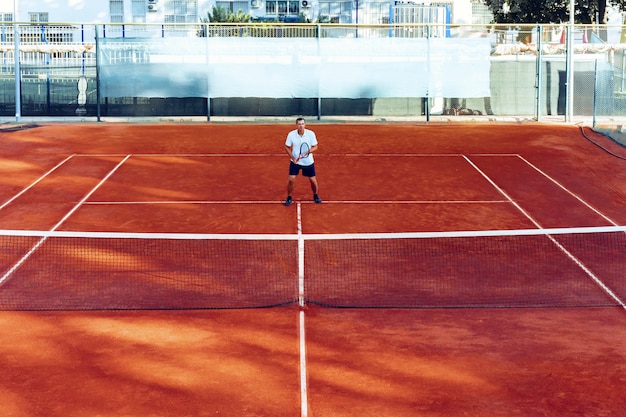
(38, 17)
(374, 12)
(481, 14)
(234, 6)
(294, 7)
(139, 11)
(116, 10)
(181, 11)
(6, 35)
(52, 34)
(282, 7)
(336, 11)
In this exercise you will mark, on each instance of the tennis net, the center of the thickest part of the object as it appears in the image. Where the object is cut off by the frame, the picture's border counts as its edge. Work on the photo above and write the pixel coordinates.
(578, 267)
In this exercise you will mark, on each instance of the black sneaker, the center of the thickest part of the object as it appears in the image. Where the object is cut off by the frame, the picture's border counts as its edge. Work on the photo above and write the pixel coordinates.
(288, 201)
(317, 198)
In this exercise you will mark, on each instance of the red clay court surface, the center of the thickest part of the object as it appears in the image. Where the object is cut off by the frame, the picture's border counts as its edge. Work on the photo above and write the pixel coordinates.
(221, 178)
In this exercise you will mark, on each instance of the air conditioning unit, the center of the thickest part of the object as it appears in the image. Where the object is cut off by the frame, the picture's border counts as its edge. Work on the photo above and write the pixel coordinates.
(152, 7)
(255, 4)
(306, 3)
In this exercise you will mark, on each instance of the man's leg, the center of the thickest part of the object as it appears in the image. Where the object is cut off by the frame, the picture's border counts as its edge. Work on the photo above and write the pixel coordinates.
(292, 179)
(314, 185)
(314, 188)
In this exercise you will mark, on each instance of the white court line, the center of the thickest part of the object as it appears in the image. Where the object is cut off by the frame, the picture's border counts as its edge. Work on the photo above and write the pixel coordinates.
(303, 385)
(156, 202)
(352, 155)
(90, 193)
(301, 301)
(6, 203)
(416, 155)
(300, 258)
(180, 155)
(113, 203)
(567, 253)
(494, 154)
(501, 191)
(43, 239)
(561, 186)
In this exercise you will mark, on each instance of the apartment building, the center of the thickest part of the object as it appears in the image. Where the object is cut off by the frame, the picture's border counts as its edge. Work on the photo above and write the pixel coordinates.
(192, 11)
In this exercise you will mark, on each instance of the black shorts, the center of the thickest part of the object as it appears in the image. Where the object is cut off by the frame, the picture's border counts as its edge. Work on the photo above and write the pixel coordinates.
(307, 171)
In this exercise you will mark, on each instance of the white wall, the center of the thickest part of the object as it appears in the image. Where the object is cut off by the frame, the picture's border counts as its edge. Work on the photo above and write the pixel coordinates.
(462, 13)
(85, 11)
(97, 11)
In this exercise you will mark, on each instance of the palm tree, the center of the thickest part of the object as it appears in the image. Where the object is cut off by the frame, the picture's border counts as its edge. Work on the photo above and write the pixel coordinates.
(222, 15)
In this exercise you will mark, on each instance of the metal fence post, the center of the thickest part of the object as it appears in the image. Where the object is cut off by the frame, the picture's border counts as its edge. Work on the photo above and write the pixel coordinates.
(208, 83)
(569, 111)
(17, 71)
(595, 91)
(319, 98)
(539, 74)
(427, 98)
(97, 74)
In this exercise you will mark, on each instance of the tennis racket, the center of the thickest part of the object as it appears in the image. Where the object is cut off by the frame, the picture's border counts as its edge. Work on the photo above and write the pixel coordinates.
(305, 149)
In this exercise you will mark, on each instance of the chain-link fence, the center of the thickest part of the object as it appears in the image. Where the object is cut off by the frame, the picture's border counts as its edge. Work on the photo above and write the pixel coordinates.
(279, 69)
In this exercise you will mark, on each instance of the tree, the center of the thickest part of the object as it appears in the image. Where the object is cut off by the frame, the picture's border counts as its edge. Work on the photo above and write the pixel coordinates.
(538, 11)
(222, 15)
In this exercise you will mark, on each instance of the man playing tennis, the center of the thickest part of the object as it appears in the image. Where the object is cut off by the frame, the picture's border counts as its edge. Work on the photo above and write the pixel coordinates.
(300, 145)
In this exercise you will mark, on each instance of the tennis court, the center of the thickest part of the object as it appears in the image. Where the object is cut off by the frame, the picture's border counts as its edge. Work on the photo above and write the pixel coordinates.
(466, 269)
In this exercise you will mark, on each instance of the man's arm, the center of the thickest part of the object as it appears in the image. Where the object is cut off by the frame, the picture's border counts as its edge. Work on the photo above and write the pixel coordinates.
(288, 149)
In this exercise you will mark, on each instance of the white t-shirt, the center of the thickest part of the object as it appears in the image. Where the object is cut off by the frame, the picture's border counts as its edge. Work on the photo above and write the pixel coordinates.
(294, 140)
